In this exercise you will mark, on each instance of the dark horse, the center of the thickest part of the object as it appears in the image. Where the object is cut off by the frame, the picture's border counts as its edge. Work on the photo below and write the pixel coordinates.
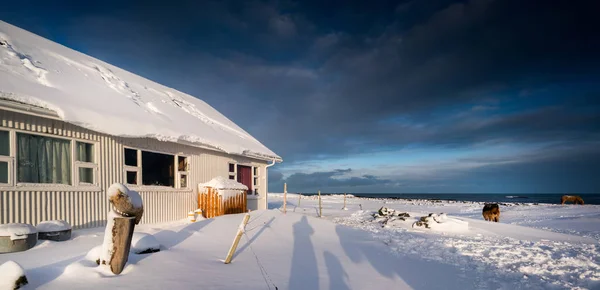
(491, 212)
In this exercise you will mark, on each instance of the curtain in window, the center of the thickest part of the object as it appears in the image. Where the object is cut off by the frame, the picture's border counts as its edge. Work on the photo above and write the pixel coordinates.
(84, 152)
(43, 160)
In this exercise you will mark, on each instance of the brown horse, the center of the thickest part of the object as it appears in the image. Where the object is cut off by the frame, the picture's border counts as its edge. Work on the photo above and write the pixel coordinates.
(491, 212)
(572, 198)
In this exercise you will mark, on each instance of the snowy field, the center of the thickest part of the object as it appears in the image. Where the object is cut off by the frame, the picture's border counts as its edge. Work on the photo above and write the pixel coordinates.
(533, 247)
(546, 246)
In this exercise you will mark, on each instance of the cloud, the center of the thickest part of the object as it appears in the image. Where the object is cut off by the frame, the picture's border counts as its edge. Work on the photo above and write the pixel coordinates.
(283, 25)
(327, 181)
(315, 81)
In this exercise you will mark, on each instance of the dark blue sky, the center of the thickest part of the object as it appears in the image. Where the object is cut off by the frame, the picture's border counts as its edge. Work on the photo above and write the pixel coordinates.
(372, 96)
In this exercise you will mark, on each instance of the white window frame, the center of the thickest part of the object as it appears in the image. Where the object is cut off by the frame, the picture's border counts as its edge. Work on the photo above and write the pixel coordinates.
(14, 147)
(129, 168)
(184, 172)
(234, 173)
(10, 159)
(255, 179)
(81, 164)
(72, 186)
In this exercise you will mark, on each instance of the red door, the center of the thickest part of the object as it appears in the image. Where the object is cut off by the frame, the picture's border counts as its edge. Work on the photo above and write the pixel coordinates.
(244, 176)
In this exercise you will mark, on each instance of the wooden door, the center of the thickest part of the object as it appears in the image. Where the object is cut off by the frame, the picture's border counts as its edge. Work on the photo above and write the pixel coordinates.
(244, 176)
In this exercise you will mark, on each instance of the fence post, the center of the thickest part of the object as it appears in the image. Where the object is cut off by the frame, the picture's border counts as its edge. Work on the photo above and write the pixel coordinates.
(320, 205)
(284, 197)
(344, 208)
(236, 241)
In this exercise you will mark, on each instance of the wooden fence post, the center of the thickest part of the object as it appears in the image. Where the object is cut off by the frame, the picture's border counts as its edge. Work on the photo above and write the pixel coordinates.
(284, 197)
(236, 241)
(320, 205)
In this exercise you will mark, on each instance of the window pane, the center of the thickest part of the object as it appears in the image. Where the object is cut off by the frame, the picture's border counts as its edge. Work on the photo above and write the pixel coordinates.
(4, 143)
(231, 167)
(85, 152)
(43, 159)
(131, 157)
(131, 177)
(183, 181)
(182, 164)
(158, 169)
(255, 181)
(86, 175)
(3, 172)
(231, 176)
(255, 171)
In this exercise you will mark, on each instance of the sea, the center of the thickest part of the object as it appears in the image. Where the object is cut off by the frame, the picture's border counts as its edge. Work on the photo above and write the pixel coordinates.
(480, 197)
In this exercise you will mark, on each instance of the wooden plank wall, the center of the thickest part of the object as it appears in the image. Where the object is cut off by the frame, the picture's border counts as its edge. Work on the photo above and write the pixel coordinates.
(213, 204)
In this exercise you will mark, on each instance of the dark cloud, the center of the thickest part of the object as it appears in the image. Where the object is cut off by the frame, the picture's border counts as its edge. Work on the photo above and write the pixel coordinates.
(327, 181)
(316, 80)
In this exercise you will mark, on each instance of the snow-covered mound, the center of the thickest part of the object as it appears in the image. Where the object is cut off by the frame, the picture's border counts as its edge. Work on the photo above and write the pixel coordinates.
(96, 95)
(220, 182)
(53, 226)
(12, 276)
(16, 231)
(143, 243)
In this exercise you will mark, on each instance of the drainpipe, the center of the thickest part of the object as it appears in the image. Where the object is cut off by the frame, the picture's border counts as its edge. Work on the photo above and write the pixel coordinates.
(267, 184)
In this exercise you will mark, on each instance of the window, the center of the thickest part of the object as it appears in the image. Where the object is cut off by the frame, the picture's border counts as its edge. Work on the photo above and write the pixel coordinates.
(85, 152)
(131, 157)
(5, 159)
(182, 170)
(131, 177)
(255, 174)
(158, 169)
(43, 159)
(86, 168)
(232, 171)
(132, 166)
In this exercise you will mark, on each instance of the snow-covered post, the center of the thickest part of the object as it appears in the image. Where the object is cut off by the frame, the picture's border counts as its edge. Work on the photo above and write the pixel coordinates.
(128, 211)
(344, 208)
(320, 205)
(284, 197)
(238, 236)
(12, 276)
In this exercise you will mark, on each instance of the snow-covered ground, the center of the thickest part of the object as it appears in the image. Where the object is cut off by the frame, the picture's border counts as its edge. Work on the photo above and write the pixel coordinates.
(533, 247)
(346, 249)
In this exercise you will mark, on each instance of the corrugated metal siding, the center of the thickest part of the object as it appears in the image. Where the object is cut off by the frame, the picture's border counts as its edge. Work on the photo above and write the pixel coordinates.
(88, 207)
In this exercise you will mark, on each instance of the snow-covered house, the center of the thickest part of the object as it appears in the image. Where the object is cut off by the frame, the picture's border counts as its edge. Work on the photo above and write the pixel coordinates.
(71, 125)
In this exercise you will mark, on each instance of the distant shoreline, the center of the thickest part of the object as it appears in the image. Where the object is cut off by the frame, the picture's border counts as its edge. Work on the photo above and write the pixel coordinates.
(535, 198)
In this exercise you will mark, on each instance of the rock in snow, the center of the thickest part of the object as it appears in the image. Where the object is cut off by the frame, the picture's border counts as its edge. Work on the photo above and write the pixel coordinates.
(143, 243)
(12, 276)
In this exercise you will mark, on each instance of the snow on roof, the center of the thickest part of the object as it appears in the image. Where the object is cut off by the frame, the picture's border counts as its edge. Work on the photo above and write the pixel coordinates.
(93, 94)
(220, 182)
